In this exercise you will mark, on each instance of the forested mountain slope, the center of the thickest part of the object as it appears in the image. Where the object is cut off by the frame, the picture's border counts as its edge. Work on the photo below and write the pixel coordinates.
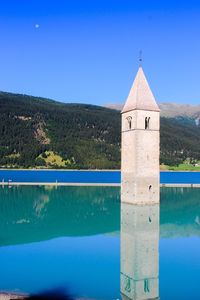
(38, 132)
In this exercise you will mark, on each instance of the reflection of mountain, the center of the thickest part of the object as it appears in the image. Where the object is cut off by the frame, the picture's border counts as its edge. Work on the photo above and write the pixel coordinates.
(29, 214)
(180, 212)
(38, 213)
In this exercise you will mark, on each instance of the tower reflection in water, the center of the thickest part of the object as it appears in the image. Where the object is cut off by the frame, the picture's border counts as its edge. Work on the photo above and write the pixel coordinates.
(139, 251)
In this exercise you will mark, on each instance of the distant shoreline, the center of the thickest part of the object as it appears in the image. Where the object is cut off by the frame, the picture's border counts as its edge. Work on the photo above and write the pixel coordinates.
(68, 170)
(88, 170)
(192, 185)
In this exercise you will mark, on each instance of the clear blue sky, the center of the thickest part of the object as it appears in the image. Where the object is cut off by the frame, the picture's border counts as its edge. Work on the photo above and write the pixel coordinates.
(87, 50)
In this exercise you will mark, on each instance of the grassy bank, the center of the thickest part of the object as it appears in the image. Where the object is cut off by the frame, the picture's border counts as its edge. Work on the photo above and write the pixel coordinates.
(181, 167)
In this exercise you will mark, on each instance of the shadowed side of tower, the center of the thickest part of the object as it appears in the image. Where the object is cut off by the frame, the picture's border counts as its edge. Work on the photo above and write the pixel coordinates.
(140, 145)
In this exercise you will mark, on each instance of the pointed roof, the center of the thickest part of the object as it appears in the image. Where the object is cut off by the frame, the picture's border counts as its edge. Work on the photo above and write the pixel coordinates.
(140, 96)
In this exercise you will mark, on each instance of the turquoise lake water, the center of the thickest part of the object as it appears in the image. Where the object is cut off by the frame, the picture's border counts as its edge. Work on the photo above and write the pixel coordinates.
(68, 238)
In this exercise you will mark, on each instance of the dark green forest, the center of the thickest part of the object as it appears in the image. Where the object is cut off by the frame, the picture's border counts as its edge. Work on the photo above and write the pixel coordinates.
(38, 132)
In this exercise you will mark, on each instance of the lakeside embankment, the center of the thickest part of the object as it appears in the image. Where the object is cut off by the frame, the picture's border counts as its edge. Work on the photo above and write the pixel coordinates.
(89, 177)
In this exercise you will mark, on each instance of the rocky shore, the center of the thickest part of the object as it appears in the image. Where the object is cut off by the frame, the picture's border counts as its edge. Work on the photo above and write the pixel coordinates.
(7, 296)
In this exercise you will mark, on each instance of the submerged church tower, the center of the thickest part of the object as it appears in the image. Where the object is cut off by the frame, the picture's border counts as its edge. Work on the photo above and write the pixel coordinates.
(140, 145)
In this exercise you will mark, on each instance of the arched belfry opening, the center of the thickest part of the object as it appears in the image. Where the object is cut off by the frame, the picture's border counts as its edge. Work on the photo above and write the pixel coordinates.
(147, 122)
(129, 119)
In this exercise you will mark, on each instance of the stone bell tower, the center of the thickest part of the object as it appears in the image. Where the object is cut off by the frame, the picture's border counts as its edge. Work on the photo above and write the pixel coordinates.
(140, 145)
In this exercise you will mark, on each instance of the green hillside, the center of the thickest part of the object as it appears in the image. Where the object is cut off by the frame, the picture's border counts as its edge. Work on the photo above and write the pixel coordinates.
(37, 132)
(180, 141)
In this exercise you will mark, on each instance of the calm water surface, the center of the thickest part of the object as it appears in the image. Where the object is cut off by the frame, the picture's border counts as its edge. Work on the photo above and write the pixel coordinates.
(68, 238)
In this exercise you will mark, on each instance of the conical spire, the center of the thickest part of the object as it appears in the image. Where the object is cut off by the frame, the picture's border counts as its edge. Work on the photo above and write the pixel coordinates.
(140, 96)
